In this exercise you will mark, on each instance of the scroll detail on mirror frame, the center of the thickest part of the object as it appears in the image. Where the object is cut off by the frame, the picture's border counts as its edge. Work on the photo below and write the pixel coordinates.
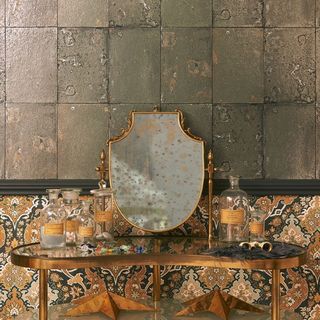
(157, 168)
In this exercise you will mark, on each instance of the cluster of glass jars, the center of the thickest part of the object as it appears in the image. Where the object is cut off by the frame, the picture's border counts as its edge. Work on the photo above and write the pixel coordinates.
(237, 222)
(67, 221)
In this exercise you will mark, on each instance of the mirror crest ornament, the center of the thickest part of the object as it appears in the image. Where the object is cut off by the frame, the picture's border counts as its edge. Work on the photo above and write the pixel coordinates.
(157, 168)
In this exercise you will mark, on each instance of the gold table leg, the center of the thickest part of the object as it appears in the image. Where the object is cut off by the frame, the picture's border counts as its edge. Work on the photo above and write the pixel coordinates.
(275, 303)
(43, 298)
(156, 283)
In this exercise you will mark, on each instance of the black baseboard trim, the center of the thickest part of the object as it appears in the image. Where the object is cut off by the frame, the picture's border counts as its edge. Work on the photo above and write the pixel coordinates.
(38, 187)
(252, 187)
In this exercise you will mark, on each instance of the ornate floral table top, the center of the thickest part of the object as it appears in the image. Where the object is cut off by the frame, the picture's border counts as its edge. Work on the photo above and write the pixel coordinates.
(154, 251)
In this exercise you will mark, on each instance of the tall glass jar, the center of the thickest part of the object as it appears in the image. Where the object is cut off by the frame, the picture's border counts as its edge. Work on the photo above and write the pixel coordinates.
(103, 214)
(257, 225)
(72, 206)
(86, 224)
(233, 210)
(52, 217)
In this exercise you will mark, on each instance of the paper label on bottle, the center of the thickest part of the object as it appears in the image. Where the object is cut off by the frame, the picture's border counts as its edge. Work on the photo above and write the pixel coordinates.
(71, 225)
(229, 216)
(86, 231)
(103, 216)
(53, 229)
(256, 227)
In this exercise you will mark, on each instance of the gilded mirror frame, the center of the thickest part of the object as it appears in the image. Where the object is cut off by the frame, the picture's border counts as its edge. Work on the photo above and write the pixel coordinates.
(187, 132)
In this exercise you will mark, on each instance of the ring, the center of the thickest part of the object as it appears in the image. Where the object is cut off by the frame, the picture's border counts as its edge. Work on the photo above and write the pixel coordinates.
(265, 246)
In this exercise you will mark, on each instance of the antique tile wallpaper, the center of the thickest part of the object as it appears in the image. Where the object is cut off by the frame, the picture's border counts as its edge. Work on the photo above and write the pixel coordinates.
(254, 64)
(290, 218)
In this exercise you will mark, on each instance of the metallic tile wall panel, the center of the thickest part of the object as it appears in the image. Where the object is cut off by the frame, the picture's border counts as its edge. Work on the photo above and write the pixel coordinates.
(237, 65)
(238, 140)
(293, 13)
(31, 13)
(285, 126)
(290, 70)
(2, 139)
(82, 133)
(186, 65)
(235, 13)
(82, 65)
(83, 13)
(31, 65)
(156, 52)
(134, 13)
(134, 65)
(186, 13)
(31, 146)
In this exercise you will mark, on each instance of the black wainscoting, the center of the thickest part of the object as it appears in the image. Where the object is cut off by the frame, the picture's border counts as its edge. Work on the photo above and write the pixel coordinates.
(252, 187)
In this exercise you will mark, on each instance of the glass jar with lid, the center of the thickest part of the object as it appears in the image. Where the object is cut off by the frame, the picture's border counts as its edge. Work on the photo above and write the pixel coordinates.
(103, 213)
(72, 206)
(233, 210)
(52, 222)
(86, 224)
(257, 225)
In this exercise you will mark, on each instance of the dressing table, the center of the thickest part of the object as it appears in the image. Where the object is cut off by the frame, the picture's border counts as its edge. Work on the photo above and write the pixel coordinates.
(157, 168)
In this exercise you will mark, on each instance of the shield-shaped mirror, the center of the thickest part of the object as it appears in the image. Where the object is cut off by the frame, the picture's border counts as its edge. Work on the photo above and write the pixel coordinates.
(157, 169)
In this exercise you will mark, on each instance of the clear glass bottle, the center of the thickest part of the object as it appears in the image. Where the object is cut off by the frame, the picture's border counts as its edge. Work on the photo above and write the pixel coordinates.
(72, 207)
(103, 214)
(233, 210)
(52, 229)
(257, 225)
(86, 224)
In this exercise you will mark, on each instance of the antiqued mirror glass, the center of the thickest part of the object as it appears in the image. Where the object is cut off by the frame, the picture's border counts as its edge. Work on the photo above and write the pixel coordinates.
(157, 169)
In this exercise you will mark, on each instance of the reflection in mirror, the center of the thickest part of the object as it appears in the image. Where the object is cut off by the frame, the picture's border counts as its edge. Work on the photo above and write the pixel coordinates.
(157, 171)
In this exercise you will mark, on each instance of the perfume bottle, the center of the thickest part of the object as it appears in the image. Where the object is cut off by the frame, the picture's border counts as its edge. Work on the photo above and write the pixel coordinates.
(233, 210)
(103, 214)
(52, 230)
(72, 206)
(257, 225)
(86, 224)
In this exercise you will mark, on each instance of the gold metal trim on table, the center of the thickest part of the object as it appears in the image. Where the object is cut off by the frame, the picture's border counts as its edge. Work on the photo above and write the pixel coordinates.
(154, 258)
(186, 131)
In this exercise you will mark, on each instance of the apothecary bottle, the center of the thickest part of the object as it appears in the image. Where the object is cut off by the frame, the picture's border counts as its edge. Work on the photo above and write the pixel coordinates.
(257, 225)
(103, 213)
(233, 210)
(52, 217)
(86, 224)
(72, 206)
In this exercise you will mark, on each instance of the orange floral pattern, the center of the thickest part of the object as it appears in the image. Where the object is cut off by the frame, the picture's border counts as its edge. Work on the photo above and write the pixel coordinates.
(292, 219)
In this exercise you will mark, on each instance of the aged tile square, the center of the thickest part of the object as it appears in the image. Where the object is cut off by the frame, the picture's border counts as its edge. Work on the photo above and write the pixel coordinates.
(2, 66)
(317, 63)
(289, 141)
(198, 117)
(31, 65)
(134, 13)
(82, 134)
(2, 12)
(82, 65)
(238, 65)
(120, 113)
(238, 140)
(83, 13)
(2, 139)
(134, 65)
(186, 65)
(31, 13)
(186, 13)
(31, 151)
(290, 13)
(235, 13)
(290, 65)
